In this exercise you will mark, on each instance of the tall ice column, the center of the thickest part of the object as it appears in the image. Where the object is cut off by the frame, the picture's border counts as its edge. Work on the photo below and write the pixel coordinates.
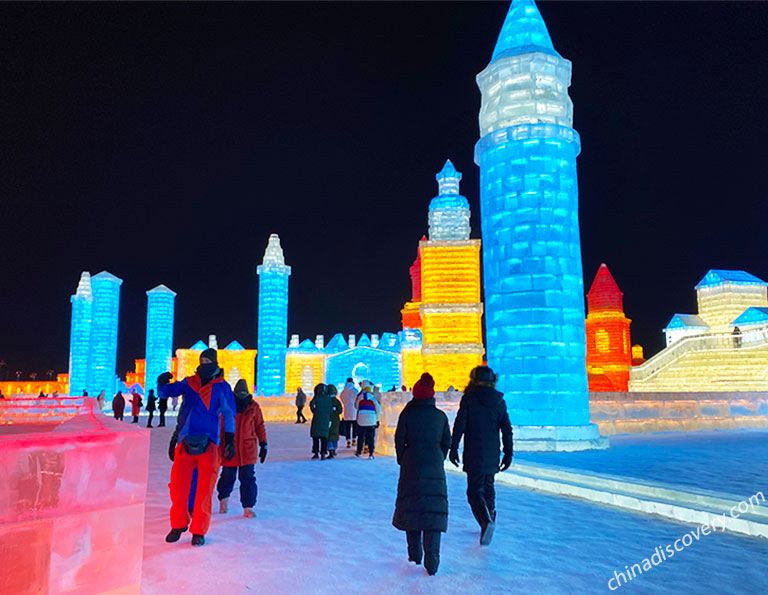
(80, 335)
(160, 306)
(273, 320)
(534, 294)
(106, 307)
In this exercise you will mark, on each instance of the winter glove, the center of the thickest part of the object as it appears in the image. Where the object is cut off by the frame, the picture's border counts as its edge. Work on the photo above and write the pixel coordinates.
(506, 461)
(453, 456)
(172, 446)
(263, 451)
(229, 445)
(164, 378)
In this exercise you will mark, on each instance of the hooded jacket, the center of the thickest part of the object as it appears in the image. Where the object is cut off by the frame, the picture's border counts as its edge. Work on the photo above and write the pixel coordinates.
(482, 415)
(202, 406)
(249, 433)
(368, 410)
(347, 398)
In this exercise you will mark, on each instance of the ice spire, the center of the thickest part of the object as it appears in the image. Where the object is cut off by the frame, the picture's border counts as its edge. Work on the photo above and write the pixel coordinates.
(273, 255)
(84, 287)
(448, 179)
(604, 294)
(523, 32)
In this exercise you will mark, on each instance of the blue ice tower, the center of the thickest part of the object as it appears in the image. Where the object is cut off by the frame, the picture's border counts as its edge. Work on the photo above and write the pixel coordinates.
(80, 335)
(106, 308)
(534, 294)
(273, 320)
(159, 349)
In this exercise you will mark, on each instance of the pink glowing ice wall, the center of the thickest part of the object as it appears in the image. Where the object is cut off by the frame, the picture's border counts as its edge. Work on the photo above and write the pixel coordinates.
(72, 504)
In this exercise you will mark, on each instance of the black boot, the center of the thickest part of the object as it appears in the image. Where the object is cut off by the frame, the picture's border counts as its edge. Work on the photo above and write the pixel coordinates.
(198, 540)
(174, 535)
(487, 533)
(415, 552)
(315, 456)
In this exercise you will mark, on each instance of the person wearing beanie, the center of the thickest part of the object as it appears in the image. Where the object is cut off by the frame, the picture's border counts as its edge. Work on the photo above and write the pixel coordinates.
(482, 415)
(368, 414)
(320, 406)
(206, 399)
(422, 440)
(250, 446)
(333, 430)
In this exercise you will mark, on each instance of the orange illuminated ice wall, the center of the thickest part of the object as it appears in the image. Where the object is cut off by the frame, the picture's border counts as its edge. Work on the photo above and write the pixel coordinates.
(609, 348)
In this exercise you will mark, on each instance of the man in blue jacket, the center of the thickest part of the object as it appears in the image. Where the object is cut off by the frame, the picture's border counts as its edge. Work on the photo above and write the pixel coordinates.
(207, 398)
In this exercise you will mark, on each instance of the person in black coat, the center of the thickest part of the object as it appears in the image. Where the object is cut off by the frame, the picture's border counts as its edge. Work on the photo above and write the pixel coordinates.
(118, 405)
(162, 407)
(151, 406)
(482, 414)
(422, 439)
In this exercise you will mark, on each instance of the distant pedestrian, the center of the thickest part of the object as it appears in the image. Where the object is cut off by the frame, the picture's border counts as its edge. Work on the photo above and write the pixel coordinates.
(736, 336)
(136, 404)
(422, 440)
(85, 393)
(377, 394)
(336, 413)
(102, 400)
(301, 401)
(162, 407)
(151, 406)
(2, 396)
(320, 406)
(348, 427)
(41, 395)
(118, 406)
(482, 415)
(368, 413)
(250, 446)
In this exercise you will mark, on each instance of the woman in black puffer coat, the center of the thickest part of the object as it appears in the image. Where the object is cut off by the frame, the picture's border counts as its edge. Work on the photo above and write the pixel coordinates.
(422, 440)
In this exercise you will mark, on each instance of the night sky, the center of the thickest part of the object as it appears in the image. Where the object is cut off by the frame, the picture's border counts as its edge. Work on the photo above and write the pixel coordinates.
(165, 142)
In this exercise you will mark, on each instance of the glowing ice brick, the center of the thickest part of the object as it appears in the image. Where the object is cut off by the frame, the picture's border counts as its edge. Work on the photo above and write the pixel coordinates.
(160, 303)
(72, 500)
(273, 320)
(534, 294)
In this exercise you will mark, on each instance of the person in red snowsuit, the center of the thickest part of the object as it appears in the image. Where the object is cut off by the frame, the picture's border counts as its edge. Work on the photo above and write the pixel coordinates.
(135, 406)
(250, 446)
(207, 399)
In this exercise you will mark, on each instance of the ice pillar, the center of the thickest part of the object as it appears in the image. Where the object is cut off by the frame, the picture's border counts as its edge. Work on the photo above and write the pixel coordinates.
(106, 303)
(80, 335)
(534, 294)
(273, 320)
(160, 304)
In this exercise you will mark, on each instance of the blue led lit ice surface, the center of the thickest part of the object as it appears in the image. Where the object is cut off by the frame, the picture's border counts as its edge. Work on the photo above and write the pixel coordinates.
(752, 315)
(159, 346)
(534, 294)
(273, 320)
(686, 321)
(449, 211)
(106, 309)
(716, 277)
(80, 335)
(364, 363)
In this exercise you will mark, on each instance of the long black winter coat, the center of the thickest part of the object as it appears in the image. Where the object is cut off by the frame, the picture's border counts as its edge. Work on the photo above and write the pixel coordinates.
(482, 414)
(151, 401)
(162, 405)
(320, 406)
(422, 439)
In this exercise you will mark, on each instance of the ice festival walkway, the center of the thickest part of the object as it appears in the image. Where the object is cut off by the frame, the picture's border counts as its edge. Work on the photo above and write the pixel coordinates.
(325, 527)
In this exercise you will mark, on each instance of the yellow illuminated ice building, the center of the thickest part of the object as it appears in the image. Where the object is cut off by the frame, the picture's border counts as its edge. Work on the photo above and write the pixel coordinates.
(236, 361)
(722, 348)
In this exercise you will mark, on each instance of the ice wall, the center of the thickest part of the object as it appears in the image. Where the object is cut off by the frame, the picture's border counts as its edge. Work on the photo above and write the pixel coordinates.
(160, 306)
(72, 499)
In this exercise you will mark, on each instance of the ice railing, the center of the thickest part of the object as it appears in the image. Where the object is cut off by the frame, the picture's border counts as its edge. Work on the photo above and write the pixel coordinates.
(711, 342)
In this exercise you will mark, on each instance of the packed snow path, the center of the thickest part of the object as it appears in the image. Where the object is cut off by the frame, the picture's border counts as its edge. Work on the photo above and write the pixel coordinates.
(325, 527)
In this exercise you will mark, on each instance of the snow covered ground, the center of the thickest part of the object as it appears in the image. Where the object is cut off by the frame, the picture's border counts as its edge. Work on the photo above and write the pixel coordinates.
(325, 527)
(730, 461)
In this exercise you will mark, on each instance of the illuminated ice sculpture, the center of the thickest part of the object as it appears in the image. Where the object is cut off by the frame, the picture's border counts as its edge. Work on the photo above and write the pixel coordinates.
(80, 335)
(106, 306)
(450, 309)
(534, 291)
(273, 320)
(159, 348)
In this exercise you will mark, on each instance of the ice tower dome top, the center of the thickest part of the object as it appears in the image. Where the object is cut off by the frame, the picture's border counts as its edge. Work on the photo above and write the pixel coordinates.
(161, 290)
(274, 260)
(523, 32)
(448, 211)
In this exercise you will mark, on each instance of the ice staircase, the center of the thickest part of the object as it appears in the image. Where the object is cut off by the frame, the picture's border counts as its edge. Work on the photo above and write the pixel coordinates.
(706, 363)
